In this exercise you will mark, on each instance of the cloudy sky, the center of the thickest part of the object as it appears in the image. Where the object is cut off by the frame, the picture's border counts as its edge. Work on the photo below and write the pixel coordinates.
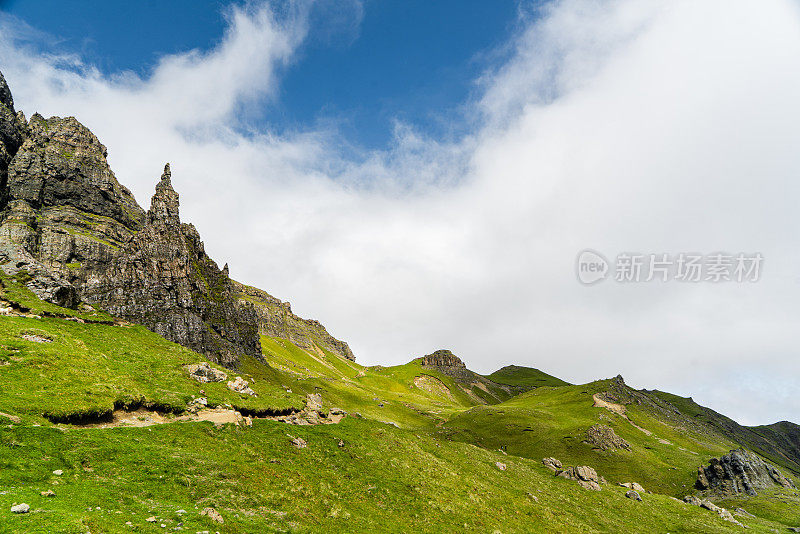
(420, 178)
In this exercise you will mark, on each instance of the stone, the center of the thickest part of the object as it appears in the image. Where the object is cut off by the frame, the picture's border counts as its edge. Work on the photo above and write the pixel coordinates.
(743, 513)
(602, 437)
(585, 476)
(501, 466)
(693, 500)
(203, 372)
(20, 509)
(212, 514)
(241, 385)
(635, 486)
(151, 519)
(552, 464)
(740, 472)
(631, 494)
(35, 338)
(58, 472)
(299, 443)
(48, 493)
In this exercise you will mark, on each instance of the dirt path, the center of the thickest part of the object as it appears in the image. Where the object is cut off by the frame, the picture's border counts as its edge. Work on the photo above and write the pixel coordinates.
(143, 417)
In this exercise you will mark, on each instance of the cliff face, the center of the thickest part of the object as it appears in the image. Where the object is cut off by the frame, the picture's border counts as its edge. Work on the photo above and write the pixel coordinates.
(275, 318)
(81, 237)
(162, 278)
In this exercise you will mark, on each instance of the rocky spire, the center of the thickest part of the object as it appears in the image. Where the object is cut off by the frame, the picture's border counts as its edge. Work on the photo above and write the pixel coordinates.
(5, 94)
(165, 205)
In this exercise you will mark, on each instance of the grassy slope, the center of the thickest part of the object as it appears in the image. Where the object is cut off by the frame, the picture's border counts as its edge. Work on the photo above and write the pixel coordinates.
(553, 422)
(779, 443)
(87, 369)
(382, 479)
(526, 377)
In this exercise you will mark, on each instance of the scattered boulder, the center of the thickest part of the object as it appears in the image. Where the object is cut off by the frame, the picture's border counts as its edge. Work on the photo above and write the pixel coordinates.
(602, 437)
(20, 509)
(203, 372)
(552, 464)
(151, 519)
(299, 443)
(739, 472)
(36, 338)
(212, 514)
(741, 512)
(708, 505)
(634, 495)
(501, 466)
(241, 385)
(48, 493)
(635, 486)
(58, 472)
(583, 475)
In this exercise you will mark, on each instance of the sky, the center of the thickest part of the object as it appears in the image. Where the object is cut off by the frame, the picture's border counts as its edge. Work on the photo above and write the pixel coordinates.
(422, 175)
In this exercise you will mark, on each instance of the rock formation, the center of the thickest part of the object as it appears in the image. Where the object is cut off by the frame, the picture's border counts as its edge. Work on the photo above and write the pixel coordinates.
(449, 364)
(602, 437)
(77, 237)
(739, 472)
(275, 319)
(163, 279)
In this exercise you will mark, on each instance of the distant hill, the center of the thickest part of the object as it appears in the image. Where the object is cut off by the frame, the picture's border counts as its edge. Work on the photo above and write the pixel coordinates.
(525, 377)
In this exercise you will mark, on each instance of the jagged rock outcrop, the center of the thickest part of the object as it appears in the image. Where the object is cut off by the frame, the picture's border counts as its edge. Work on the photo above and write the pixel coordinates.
(162, 278)
(275, 319)
(739, 472)
(75, 235)
(603, 437)
(449, 364)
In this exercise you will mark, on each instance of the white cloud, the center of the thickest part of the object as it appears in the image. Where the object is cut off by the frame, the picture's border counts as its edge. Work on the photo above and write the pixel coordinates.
(622, 126)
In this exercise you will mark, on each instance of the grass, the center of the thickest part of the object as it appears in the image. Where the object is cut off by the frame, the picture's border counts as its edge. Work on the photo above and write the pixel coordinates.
(382, 480)
(553, 422)
(525, 377)
(87, 369)
(418, 453)
(13, 289)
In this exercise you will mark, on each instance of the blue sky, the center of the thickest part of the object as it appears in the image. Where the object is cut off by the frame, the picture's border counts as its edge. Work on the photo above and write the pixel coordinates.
(361, 67)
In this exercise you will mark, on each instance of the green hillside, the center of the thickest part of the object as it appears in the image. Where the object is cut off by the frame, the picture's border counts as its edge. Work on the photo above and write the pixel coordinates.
(415, 454)
(525, 377)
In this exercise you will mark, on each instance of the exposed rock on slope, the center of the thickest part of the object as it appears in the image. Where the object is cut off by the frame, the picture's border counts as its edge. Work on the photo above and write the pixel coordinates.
(163, 279)
(275, 319)
(478, 387)
(740, 472)
(449, 364)
(604, 438)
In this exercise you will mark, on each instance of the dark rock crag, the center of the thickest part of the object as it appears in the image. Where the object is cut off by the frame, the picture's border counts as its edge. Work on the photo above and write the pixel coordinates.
(80, 239)
(740, 472)
(163, 279)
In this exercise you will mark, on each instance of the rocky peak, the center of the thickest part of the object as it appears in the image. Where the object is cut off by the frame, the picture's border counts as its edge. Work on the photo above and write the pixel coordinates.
(165, 204)
(5, 94)
(443, 358)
